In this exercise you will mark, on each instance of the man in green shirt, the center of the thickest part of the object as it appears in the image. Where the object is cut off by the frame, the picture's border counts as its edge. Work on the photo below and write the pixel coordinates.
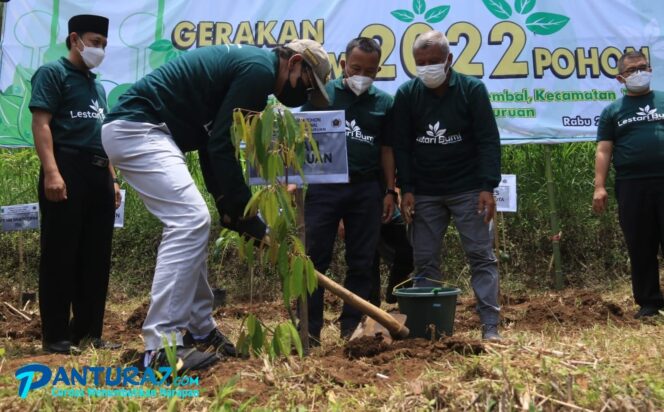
(631, 132)
(447, 151)
(77, 194)
(359, 204)
(187, 104)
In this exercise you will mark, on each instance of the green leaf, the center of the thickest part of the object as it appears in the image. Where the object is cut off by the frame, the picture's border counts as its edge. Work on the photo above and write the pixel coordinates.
(161, 45)
(498, 8)
(295, 338)
(546, 23)
(419, 6)
(403, 15)
(251, 325)
(436, 14)
(312, 279)
(282, 260)
(249, 252)
(258, 339)
(524, 6)
(282, 340)
(267, 127)
(295, 278)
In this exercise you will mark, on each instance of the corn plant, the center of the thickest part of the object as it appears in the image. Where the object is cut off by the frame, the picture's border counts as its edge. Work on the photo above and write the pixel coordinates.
(275, 144)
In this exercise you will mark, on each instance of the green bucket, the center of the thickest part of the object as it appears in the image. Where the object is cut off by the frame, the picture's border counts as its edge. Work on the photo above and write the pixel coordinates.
(428, 309)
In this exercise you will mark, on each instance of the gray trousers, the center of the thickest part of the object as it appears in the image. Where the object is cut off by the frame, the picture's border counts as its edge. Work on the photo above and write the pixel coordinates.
(430, 222)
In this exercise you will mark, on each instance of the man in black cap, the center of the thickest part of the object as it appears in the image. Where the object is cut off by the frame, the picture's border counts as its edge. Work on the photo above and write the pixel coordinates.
(185, 105)
(78, 191)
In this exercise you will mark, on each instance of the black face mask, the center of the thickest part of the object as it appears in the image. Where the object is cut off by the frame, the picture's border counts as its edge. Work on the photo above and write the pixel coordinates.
(294, 96)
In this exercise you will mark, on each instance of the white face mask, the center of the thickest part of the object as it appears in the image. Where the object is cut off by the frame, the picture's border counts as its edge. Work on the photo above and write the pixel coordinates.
(359, 84)
(92, 56)
(432, 75)
(638, 82)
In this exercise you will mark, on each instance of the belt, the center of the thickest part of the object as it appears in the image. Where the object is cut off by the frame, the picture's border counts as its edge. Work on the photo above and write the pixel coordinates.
(94, 159)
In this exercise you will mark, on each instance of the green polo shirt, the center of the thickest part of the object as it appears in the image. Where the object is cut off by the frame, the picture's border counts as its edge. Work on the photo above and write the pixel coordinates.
(445, 144)
(635, 125)
(195, 95)
(76, 101)
(367, 118)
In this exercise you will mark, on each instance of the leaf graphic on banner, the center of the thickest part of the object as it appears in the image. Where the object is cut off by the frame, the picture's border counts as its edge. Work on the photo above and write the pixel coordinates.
(115, 94)
(436, 14)
(419, 6)
(161, 45)
(403, 15)
(498, 8)
(524, 6)
(24, 121)
(546, 23)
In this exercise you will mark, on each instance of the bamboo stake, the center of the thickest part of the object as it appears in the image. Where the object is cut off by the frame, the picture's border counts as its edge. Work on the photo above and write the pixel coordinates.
(555, 223)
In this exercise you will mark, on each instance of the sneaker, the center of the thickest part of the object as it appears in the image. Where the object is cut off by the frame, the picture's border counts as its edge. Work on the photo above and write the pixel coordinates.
(646, 311)
(215, 341)
(188, 359)
(490, 332)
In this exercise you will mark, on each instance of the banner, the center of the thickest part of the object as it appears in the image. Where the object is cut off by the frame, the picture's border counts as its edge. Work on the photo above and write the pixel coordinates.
(549, 66)
(329, 131)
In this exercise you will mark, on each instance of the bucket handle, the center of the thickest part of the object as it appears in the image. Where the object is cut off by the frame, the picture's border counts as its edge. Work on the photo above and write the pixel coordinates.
(417, 277)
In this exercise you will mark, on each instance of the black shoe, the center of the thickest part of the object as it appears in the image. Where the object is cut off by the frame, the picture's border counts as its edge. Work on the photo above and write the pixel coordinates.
(490, 332)
(62, 346)
(188, 359)
(647, 311)
(215, 341)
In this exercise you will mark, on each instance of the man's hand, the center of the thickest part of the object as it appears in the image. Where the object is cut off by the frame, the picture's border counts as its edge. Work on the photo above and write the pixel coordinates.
(118, 194)
(55, 188)
(408, 206)
(486, 205)
(389, 204)
(600, 199)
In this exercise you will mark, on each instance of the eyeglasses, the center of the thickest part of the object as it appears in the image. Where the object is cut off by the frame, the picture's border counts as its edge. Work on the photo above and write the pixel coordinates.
(630, 71)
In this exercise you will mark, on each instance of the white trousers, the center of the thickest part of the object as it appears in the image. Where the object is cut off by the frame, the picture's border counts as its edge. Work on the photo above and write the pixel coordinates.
(155, 167)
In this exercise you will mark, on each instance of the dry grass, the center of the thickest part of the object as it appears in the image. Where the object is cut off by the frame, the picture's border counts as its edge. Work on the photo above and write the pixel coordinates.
(603, 367)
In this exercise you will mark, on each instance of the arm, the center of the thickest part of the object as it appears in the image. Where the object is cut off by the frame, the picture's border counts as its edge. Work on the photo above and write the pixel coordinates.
(116, 185)
(389, 200)
(602, 162)
(55, 188)
(402, 137)
(488, 150)
(248, 91)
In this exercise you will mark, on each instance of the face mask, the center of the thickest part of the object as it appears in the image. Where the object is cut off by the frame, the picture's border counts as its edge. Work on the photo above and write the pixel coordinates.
(432, 75)
(294, 96)
(92, 56)
(638, 82)
(359, 84)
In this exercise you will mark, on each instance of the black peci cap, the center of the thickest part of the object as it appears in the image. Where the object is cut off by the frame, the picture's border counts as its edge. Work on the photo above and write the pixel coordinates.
(84, 23)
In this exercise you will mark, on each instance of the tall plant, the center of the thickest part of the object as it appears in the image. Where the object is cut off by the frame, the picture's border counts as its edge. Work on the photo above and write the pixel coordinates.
(275, 145)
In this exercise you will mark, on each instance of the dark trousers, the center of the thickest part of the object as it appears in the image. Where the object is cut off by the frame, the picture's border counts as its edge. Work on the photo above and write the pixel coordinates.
(395, 250)
(641, 214)
(359, 205)
(75, 250)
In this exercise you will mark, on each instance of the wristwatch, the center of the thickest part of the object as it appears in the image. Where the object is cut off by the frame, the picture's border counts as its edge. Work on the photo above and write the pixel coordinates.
(392, 192)
(116, 180)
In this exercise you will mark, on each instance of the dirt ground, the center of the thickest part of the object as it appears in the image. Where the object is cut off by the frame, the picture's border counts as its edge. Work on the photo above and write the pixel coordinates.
(365, 361)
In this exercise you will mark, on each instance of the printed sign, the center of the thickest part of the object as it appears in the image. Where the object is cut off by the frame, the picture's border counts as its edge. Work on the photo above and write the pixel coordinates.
(330, 133)
(20, 217)
(505, 194)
